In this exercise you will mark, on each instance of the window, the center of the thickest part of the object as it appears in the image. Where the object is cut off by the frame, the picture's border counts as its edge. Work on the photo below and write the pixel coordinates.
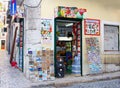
(5, 29)
(111, 38)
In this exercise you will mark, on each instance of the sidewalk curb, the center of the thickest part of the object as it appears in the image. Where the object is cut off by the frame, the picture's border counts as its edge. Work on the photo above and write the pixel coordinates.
(75, 82)
(62, 82)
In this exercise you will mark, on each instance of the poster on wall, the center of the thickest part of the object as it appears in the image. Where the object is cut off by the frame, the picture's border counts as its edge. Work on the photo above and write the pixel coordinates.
(92, 27)
(46, 33)
(70, 12)
(93, 55)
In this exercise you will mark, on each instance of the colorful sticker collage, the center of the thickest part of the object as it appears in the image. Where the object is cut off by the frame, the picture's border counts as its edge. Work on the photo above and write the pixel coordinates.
(93, 55)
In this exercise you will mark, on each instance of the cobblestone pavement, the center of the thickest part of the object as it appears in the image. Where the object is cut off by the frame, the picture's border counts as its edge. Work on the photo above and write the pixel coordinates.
(11, 77)
(115, 83)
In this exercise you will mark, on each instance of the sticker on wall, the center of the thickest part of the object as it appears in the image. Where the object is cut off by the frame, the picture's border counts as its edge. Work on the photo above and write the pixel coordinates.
(93, 55)
(92, 27)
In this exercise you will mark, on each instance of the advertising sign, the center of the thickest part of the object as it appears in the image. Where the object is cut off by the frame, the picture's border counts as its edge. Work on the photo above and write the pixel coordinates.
(69, 12)
(92, 27)
(13, 7)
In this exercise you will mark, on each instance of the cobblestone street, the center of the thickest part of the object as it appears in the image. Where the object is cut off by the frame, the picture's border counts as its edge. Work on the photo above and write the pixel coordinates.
(99, 84)
(115, 83)
(10, 77)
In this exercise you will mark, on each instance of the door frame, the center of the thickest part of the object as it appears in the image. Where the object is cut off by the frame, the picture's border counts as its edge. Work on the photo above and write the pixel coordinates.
(68, 19)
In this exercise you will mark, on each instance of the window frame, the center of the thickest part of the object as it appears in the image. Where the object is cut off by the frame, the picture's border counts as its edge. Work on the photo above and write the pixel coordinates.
(102, 36)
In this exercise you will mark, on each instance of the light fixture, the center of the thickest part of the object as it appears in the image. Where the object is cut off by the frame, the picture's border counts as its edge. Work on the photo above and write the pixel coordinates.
(69, 24)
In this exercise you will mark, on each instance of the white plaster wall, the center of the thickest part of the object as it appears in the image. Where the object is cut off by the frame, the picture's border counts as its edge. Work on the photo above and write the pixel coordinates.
(31, 32)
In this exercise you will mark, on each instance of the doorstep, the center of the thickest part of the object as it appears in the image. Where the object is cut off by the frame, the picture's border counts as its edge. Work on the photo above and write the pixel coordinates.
(69, 80)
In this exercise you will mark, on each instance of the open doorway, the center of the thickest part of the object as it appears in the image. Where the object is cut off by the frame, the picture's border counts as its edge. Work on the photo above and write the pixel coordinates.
(68, 46)
(2, 44)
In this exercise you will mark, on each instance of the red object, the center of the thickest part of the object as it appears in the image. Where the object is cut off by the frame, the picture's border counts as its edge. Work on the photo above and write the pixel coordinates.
(68, 10)
(50, 28)
(14, 64)
(13, 45)
(81, 11)
(13, 1)
(92, 24)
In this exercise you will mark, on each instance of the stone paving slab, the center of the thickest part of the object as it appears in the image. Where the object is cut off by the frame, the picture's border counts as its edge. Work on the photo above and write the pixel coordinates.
(11, 77)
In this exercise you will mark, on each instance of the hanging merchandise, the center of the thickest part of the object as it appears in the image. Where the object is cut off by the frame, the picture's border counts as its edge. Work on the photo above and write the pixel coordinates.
(21, 42)
(76, 49)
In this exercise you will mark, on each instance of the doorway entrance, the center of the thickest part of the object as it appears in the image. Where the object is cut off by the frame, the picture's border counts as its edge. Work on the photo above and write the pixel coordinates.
(2, 44)
(68, 46)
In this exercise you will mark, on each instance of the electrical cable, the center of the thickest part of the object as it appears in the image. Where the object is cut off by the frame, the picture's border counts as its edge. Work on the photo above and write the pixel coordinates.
(34, 6)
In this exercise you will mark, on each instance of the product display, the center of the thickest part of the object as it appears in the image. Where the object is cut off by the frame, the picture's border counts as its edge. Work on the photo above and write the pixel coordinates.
(76, 65)
(76, 49)
(41, 58)
(59, 68)
(21, 46)
(68, 48)
(40, 64)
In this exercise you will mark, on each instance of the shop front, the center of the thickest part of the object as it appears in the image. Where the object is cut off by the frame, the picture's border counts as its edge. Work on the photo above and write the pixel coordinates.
(56, 50)
(68, 54)
(68, 41)
(69, 46)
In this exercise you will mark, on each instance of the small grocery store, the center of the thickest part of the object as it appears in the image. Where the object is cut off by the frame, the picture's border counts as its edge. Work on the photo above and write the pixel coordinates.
(69, 41)
(68, 44)
(61, 53)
